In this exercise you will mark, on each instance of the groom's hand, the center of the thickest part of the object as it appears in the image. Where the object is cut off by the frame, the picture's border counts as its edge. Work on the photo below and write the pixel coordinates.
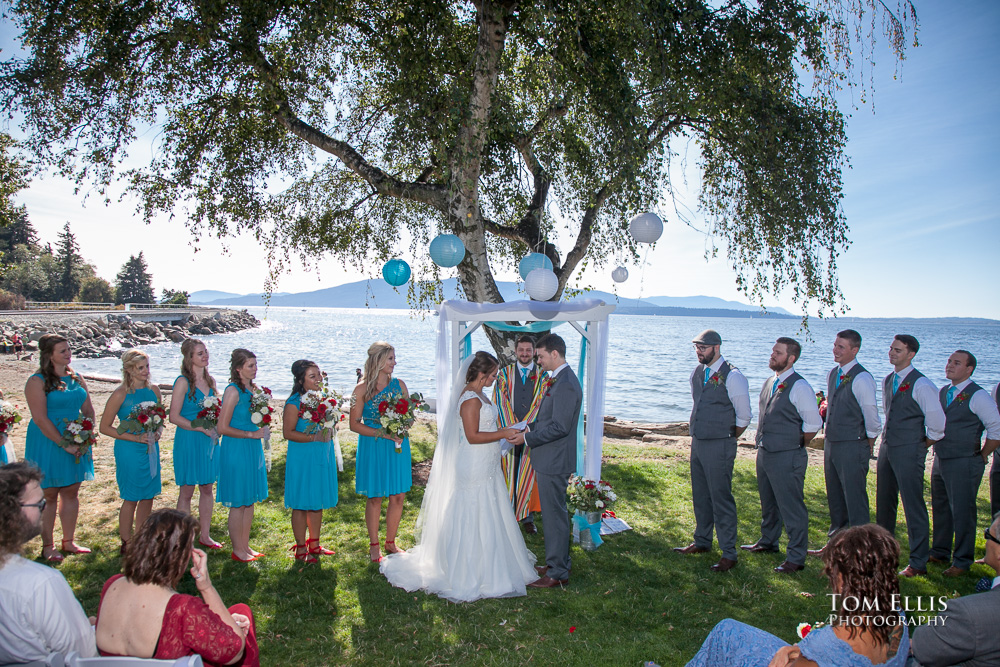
(517, 438)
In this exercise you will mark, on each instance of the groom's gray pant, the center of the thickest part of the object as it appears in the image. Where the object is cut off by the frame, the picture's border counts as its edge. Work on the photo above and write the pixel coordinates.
(555, 520)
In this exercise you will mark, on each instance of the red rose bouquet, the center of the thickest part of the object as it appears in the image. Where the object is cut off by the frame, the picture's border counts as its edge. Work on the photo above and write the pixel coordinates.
(322, 410)
(397, 414)
(260, 415)
(80, 433)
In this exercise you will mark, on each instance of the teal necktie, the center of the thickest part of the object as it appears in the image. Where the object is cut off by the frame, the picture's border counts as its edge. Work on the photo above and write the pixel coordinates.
(836, 385)
(707, 373)
(895, 382)
(951, 395)
(774, 386)
(524, 375)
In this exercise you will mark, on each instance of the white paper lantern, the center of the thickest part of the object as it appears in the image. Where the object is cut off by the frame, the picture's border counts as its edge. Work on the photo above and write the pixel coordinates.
(532, 261)
(541, 284)
(620, 274)
(646, 227)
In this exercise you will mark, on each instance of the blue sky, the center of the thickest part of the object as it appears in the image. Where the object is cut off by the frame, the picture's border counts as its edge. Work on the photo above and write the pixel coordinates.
(922, 198)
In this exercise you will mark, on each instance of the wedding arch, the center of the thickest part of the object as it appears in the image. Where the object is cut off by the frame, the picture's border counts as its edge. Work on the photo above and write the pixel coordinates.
(459, 319)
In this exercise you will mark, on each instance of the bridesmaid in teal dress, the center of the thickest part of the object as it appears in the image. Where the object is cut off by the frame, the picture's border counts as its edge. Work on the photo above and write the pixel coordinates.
(196, 451)
(242, 475)
(137, 455)
(380, 470)
(56, 394)
(310, 467)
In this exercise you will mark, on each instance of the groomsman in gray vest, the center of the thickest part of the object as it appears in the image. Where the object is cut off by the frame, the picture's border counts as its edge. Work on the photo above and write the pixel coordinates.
(995, 474)
(914, 421)
(719, 415)
(552, 441)
(787, 421)
(959, 462)
(852, 424)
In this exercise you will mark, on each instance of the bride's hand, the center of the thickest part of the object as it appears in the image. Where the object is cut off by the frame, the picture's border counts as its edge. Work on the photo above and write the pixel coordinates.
(508, 433)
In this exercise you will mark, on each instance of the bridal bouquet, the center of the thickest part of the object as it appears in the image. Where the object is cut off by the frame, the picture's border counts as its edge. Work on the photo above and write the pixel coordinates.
(145, 417)
(397, 414)
(81, 433)
(8, 417)
(208, 416)
(321, 410)
(260, 414)
(587, 495)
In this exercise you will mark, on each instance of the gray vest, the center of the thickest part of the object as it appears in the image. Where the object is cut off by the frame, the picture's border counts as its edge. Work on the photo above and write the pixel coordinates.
(904, 425)
(963, 431)
(524, 392)
(780, 426)
(712, 415)
(844, 419)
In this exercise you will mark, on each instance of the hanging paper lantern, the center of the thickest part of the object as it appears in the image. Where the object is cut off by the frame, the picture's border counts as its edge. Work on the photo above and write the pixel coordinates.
(396, 272)
(532, 261)
(447, 250)
(541, 284)
(646, 227)
(620, 274)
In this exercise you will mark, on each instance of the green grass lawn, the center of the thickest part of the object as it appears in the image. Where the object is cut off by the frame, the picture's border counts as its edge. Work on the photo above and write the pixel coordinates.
(632, 600)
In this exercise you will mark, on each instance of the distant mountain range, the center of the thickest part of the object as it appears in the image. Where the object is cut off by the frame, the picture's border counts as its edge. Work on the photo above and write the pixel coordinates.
(379, 294)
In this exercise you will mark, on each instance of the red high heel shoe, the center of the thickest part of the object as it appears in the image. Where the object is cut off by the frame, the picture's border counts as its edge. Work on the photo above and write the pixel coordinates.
(318, 549)
(377, 559)
(304, 555)
(394, 549)
(55, 557)
(214, 545)
(76, 548)
(240, 560)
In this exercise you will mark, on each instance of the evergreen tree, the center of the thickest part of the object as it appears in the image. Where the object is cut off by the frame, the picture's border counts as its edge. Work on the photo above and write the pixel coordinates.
(94, 289)
(176, 297)
(133, 283)
(20, 231)
(70, 262)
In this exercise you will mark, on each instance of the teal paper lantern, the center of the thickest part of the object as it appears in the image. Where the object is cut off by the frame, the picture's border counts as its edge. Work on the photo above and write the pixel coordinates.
(396, 272)
(447, 250)
(532, 261)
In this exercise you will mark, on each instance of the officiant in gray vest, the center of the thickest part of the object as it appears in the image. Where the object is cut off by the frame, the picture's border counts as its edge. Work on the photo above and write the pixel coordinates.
(852, 424)
(959, 461)
(787, 421)
(720, 413)
(914, 421)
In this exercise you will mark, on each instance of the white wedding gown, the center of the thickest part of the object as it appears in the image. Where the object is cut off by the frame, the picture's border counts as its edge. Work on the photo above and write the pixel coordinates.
(474, 548)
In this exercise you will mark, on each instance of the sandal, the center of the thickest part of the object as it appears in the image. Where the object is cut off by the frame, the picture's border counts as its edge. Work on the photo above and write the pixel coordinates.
(76, 548)
(299, 552)
(318, 549)
(210, 545)
(394, 549)
(55, 557)
(375, 559)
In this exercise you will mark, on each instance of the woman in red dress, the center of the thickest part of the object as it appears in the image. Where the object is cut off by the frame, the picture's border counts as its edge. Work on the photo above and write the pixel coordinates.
(142, 615)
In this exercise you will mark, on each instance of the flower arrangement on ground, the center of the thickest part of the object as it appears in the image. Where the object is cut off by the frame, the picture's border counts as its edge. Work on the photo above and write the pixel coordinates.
(80, 433)
(588, 495)
(397, 414)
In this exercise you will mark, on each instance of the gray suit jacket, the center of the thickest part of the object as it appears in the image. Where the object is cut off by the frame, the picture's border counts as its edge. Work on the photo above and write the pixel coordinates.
(552, 438)
(969, 634)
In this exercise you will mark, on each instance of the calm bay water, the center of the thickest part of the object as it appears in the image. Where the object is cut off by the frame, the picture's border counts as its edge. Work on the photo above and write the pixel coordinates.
(649, 360)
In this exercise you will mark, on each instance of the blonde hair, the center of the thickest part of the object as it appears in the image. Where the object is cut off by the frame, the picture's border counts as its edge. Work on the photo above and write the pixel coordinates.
(188, 348)
(377, 354)
(129, 361)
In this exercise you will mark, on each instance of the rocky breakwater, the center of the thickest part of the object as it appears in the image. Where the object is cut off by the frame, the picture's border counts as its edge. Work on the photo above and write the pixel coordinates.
(111, 334)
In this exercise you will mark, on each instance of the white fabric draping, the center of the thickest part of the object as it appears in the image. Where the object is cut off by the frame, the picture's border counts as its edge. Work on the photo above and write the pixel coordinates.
(459, 318)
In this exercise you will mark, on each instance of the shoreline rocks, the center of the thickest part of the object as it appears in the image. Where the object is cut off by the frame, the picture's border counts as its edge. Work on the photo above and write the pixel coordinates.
(111, 334)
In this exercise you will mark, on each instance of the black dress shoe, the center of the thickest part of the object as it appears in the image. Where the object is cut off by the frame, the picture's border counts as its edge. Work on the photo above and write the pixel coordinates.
(691, 549)
(788, 567)
(529, 527)
(548, 582)
(724, 565)
(758, 548)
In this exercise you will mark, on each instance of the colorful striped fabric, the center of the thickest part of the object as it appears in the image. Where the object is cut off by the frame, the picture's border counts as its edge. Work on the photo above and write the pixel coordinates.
(520, 485)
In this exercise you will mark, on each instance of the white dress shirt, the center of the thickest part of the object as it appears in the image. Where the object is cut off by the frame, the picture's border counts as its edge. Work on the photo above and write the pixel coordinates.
(738, 389)
(553, 374)
(983, 407)
(863, 386)
(926, 395)
(521, 368)
(802, 397)
(39, 614)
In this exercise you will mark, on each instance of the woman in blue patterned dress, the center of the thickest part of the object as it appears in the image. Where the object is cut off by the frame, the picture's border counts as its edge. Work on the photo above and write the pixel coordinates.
(380, 470)
(137, 455)
(310, 468)
(196, 456)
(57, 395)
(242, 475)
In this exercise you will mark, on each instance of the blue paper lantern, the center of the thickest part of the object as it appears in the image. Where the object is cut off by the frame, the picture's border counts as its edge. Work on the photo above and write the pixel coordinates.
(532, 261)
(396, 272)
(447, 250)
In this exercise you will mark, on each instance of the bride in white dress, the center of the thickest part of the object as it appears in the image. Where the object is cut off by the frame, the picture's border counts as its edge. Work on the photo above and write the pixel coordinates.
(469, 545)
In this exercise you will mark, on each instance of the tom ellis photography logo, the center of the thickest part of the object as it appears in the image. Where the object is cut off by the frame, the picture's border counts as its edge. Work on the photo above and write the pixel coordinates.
(852, 610)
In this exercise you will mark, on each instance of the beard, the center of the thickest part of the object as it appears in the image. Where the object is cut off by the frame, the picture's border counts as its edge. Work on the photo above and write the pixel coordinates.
(30, 530)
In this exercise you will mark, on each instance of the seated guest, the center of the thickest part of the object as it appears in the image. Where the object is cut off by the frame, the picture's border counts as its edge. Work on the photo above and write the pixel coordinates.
(142, 615)
(38, 611)
(860, 563)
(967, 631)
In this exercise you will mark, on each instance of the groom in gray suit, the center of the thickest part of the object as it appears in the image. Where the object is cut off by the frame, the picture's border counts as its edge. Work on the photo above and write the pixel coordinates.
(552, 441)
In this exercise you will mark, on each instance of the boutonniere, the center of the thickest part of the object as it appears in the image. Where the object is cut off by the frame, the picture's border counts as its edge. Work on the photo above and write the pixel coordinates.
(548, 384)
(844, 378)
(532, 376)
(781, 388)
(903, 387)
(715, 379)
(962, 398)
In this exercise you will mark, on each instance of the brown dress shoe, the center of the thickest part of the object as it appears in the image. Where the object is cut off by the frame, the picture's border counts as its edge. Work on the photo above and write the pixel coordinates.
(724, 565)
(541, 570)
(910, 571)
(937, 561)
(529, 527)
(757, 548)
(788, 567)
(954, 572)
(548, 582)
(691, 549)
